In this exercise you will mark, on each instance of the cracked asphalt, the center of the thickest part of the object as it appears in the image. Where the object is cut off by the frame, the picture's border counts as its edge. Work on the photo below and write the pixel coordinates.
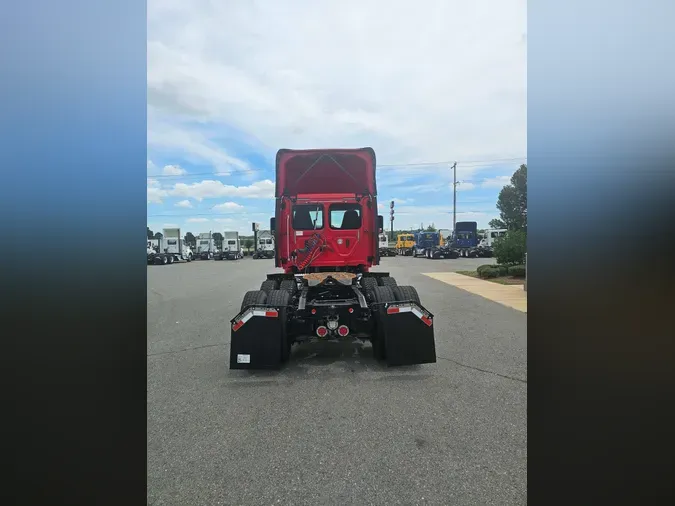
(333, 427)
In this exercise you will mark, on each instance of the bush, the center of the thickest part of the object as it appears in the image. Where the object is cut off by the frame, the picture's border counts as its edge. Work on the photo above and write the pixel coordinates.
(491, 272)
(517, 270)
(510, 249)
(483, 267)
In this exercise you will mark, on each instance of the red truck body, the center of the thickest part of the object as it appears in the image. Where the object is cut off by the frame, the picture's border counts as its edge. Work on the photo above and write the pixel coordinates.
(326, 210)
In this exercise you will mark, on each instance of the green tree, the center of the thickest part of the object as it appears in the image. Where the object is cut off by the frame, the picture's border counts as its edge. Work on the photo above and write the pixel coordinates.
(248, 243)
(190, 239)
(218, 239)
(431, 228)
(158, 235)
(496, 224)
(512, 202)
(510, 249)
(151, 234)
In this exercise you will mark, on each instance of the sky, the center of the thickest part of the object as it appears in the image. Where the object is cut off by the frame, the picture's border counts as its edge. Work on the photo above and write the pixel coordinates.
(423, 83)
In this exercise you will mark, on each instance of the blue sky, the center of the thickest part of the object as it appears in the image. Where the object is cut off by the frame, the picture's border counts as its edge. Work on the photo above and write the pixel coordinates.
(227, 88)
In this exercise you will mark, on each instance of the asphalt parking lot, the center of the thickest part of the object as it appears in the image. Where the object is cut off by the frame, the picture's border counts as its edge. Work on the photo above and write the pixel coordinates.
(333, 426)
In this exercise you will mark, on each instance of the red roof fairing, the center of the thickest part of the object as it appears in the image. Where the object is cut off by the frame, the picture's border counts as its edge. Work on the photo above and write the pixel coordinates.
(325, 171)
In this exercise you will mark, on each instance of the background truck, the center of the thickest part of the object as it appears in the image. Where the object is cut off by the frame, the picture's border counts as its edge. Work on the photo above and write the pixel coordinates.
(443, 249)
(487, 242)
(326, 229)
(231, 246)
(383, 245)
(425, 242)
(172, 248)
(405, 244)
(206, 246)
(265, 246)
(465, 239)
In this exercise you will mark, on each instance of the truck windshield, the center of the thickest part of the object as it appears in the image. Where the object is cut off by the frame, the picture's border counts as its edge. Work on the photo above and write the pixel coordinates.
(307, 217)
(204, 243)
(172, 242)
(345, 216)
(231, 242)
(268, 241)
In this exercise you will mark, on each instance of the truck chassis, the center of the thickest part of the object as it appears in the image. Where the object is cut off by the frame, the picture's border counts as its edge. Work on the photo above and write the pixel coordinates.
(294, 308)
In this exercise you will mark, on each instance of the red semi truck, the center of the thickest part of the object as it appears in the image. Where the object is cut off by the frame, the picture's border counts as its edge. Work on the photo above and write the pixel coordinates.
(326, 231)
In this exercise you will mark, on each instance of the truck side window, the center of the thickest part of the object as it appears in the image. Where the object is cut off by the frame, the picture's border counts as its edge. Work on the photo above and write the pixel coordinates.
(307, 217)
(345, 216)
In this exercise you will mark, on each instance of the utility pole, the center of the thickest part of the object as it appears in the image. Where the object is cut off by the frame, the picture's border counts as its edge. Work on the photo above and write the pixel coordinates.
(391, 219)
(454, 196)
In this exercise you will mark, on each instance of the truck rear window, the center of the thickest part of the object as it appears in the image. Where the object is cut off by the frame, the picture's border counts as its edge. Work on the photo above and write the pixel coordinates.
(307, 217)
(345, 216)
(230, 242)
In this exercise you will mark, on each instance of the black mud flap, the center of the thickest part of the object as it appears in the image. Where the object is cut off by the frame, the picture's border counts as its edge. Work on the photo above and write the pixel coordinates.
(408, 334)
(257, 337)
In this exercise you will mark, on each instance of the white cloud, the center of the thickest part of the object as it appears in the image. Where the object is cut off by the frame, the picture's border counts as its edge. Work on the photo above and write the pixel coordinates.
(184, 203)
(215, 189)
(193, 145)
(465, 186)
(228, 206)
(155, 192)
(197, 220)
(173, 170)
(402, 78)
(151, 166)
(496, 182)
(170, 225)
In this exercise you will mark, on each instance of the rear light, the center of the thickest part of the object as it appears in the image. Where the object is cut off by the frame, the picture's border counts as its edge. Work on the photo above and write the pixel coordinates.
(343, 330)
(351, 309)
(313, 311)
(322, 331)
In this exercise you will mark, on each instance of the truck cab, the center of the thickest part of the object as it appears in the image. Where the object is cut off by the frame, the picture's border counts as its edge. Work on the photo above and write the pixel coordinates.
(405, 244)
(326, 232)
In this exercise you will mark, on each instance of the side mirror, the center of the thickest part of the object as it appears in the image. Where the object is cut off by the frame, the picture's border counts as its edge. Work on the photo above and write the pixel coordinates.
(273, 222)
(380, 223)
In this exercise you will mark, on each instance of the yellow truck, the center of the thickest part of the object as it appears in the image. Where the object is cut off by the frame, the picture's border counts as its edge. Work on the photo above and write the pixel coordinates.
(405, 244)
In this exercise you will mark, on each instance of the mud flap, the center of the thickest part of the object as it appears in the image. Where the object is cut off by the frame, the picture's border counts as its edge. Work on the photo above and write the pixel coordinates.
(408, 334)
(257, 336)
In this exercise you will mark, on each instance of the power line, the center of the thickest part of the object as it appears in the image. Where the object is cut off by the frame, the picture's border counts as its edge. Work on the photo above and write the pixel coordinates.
(466, 163)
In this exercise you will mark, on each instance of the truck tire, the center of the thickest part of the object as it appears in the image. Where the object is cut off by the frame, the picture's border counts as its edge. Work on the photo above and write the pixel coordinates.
(280, 299)
(268, 285)
(252, 298)
(368, 283)
(170, 259)
(289, 285)
(387, 281)
(164, 260)
(380, 295)
(406, 293)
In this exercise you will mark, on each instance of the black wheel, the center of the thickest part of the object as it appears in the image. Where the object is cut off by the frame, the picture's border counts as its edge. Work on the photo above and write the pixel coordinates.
(407, 293)
(387, 281)
(280, 299)
(380, 295)
(252, 298)
(165, 260)
(288, 285)
(368, 283)
(268, 285)
(170, 259)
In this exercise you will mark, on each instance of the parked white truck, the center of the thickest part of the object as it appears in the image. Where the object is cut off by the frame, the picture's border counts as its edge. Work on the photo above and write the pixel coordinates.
(231, 246)
(487, 242)
(265, 246)
(172, 248)
(206, 247)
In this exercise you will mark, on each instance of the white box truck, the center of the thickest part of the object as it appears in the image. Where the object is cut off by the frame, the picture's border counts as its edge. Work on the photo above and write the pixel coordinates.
(172, 249)
(231, 246)
(265, 246)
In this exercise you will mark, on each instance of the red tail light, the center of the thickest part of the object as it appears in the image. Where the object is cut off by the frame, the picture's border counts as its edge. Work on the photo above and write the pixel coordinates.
(343, 330)
(321, 331)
